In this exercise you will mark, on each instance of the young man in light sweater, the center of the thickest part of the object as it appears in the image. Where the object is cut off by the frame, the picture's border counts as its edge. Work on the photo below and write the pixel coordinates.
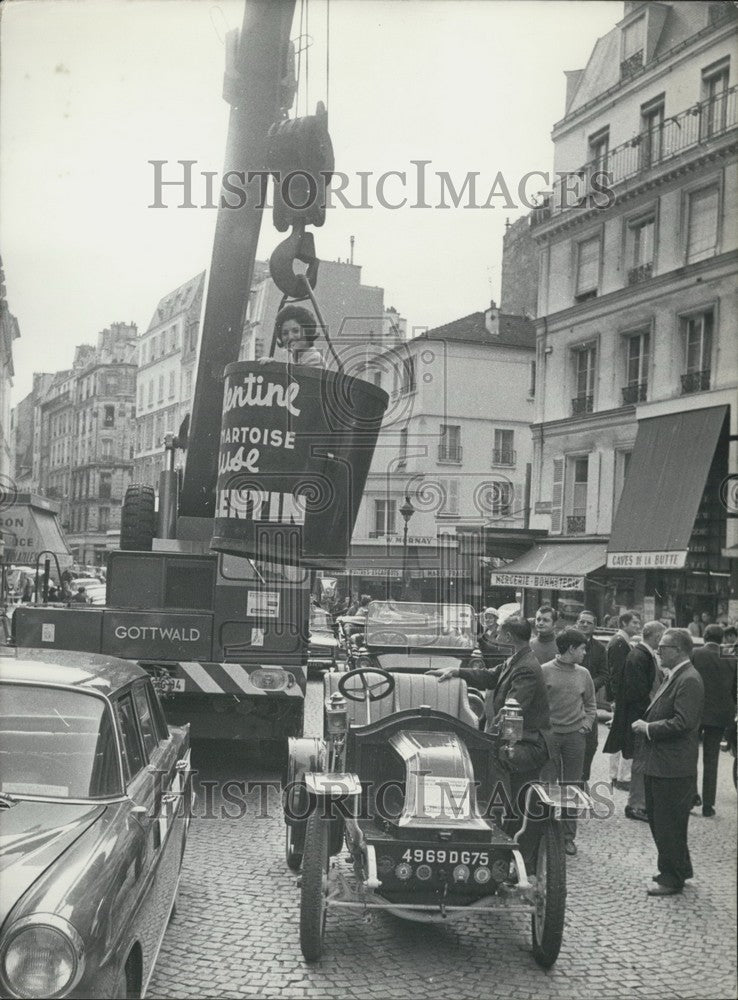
(573, 711)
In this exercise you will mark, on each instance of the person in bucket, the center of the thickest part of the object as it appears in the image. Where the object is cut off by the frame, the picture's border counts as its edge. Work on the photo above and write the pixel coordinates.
(297, 331)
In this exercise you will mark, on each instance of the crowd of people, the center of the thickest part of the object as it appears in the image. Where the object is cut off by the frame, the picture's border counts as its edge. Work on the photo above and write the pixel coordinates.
(663, 693)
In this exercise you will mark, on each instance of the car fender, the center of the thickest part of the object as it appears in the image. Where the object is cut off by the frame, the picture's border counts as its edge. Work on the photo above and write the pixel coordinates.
(305, 754)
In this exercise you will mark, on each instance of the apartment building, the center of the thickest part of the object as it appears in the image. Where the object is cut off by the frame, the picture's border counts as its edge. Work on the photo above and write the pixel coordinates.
(58, 429)
(455, 445)
(8, 333)
(167, 359)
(103, 441)
(637, 335)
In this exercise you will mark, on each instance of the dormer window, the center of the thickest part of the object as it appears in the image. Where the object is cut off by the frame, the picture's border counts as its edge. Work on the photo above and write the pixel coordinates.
(633, 44)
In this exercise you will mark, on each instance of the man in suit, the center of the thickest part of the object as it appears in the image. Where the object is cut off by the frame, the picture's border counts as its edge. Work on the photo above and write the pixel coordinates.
(670, 729)
(520, 677)
(617, 652)
(631, 701)
(719, 710)
(595, 660)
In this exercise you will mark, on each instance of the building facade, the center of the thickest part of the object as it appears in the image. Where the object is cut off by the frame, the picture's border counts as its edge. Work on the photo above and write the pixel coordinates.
(25, 428)
(8, 333)
(637, 332)
(104, 438)
(58, 428)
(167, 358)
(456, 442)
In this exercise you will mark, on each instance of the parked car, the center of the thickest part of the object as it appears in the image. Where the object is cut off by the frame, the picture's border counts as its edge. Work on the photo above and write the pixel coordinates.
(323, 647)
(94, 810)
(406, 780)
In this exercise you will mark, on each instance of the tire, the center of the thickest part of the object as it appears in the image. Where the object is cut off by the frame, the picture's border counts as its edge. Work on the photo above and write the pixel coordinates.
(292, 856)
(138, 519)
(314, 877)
(547, 922)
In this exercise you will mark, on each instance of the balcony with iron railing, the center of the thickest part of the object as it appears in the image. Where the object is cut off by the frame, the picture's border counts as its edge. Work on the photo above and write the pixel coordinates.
(452, 455)
(576, 524)
(695, 381)
(692, 129)
(582, 404)
(635, 393)
(504, 456)
(641, 272)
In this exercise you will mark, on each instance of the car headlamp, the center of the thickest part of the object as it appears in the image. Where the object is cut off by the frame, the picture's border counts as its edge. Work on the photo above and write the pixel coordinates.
(42, 956)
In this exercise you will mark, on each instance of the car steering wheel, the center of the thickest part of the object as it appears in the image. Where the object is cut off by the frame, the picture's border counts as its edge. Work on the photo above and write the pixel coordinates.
(388, 638)
(375, 692)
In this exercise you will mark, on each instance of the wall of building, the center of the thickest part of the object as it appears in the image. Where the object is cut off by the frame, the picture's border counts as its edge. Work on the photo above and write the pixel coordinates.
(519, 292)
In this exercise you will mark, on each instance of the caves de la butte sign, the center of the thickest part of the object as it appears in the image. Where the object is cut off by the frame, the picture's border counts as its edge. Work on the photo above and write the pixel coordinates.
(295, 448)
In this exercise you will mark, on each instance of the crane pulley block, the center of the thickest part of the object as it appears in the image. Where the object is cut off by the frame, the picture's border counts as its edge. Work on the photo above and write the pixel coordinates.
(300, 158)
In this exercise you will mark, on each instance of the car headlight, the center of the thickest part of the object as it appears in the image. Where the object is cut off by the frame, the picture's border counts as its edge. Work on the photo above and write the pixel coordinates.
(42, 956)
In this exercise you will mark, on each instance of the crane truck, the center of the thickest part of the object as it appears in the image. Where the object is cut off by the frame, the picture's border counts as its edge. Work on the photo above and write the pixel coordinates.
(210, 592)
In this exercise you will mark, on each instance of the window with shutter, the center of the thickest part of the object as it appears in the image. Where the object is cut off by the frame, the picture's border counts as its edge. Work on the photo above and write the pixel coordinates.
(588, 266)
(702, 224)
(557, 496)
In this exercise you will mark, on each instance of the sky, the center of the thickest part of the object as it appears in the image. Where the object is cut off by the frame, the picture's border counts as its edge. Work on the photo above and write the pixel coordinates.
(92, 90)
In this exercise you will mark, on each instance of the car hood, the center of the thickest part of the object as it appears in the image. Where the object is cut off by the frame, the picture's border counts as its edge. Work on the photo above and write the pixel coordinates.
(32, 836)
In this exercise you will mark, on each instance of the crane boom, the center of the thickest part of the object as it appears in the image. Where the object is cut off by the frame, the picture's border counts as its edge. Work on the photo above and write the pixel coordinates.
(253, 90)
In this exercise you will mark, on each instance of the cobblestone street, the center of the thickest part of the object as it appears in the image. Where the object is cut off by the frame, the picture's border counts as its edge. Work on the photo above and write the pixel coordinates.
(235, 932)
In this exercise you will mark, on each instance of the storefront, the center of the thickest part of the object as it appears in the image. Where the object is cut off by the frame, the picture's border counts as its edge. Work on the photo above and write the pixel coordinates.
(666, 550)
(429, 573)
(559, 573)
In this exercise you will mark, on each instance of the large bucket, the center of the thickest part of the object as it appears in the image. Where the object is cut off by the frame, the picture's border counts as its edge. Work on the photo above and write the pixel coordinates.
(296, 444)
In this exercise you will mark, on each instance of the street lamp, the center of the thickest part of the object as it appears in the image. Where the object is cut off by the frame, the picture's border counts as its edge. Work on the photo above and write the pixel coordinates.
(407, 510)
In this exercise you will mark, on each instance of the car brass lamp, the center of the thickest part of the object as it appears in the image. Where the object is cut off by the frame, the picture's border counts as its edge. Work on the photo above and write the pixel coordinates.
(511, 722)
(336, 715)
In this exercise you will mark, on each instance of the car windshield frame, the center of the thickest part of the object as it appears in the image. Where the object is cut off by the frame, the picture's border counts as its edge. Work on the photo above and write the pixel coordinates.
(423, 625)
(110, 796)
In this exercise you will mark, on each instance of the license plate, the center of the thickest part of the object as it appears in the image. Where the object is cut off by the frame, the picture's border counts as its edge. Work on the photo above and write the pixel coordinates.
(168, 685)
(448, 856)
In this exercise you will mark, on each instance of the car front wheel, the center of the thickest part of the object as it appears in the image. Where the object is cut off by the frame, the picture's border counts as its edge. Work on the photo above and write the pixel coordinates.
(547, 921)
(313, 905)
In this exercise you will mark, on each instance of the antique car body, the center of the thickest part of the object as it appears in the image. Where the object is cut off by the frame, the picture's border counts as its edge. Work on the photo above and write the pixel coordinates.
(419, 794)
(94, 810)
(413, 637)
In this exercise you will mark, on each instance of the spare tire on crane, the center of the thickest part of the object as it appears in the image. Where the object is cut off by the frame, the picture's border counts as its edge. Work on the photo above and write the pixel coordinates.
(296, 444)
(138, 518)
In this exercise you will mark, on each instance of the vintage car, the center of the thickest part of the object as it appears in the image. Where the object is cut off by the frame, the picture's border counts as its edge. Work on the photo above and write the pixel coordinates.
(323, 646)
(94, 811)
(406, 779)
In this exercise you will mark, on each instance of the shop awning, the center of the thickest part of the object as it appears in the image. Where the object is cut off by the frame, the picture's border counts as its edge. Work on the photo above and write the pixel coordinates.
(30, 528)
(662, 492)
(553, 567)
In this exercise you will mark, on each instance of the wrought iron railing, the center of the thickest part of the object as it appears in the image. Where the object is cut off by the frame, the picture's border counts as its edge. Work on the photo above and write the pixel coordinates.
(695, 381)
(576, 524)
(448, 454)
(642, 272)
(695, 126)
(504, 456)
(582, 404)
(635, 393)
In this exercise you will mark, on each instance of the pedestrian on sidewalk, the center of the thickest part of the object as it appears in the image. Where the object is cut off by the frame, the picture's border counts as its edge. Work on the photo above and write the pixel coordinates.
(543, 642)
(641, 678)
(573, 711)
(670, 728)
(695, 626)
(595, 661)
(719, 709)
(617, 652)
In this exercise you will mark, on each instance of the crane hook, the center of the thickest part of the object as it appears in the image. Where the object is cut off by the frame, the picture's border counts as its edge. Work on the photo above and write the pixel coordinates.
(299, 245)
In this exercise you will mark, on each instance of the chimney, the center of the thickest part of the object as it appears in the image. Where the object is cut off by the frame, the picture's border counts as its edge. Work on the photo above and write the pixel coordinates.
(492, 319)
